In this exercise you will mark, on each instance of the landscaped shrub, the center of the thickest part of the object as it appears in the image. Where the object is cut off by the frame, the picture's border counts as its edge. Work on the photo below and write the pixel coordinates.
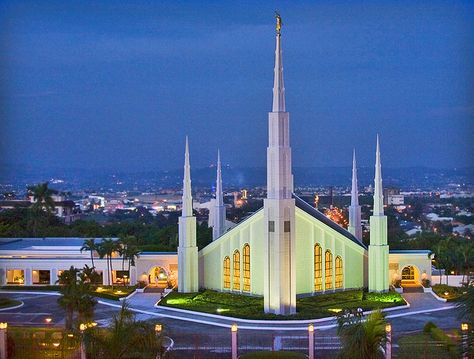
(390, 297)
(31, 287)
(397, 283)
(428, 326)
(448, 292)
(141, 284)
(426, 283)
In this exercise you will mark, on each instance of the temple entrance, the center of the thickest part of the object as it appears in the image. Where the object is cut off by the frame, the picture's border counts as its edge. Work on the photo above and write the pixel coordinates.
(410, 277)
(158, 277)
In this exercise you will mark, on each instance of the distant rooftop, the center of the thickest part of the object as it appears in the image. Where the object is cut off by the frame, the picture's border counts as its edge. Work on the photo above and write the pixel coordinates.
(46, 243)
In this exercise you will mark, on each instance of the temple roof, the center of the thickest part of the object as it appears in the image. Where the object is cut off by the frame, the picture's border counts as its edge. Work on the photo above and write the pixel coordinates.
(313, 212)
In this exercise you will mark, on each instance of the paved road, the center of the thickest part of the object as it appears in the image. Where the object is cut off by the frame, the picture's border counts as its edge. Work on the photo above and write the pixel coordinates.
(189, 336)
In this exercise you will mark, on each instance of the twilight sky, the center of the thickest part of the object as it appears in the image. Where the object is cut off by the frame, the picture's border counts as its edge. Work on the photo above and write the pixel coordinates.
(105, 84)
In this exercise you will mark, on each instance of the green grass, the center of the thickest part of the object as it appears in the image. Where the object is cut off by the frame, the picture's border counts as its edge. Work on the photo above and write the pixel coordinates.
(242, 306)
(453, 293)
(118, 292)
(7, 302)
(273, 355)
(40, 343)
(420, 346)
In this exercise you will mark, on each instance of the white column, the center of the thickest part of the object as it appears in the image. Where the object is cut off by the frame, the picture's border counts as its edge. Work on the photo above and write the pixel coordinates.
(233, 331)
(53, 276)
(28, 276)
(310, 341)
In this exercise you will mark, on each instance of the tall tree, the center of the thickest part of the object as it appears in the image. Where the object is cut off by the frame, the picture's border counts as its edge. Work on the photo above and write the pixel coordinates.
(109, 247)
(90, 245)
(42, 196)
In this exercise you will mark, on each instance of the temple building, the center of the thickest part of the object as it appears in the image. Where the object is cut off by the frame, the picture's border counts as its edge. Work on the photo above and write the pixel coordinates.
(284, 250)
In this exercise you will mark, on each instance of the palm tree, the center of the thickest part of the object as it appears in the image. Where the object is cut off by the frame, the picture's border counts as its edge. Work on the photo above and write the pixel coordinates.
(42, 195)
(90, 245)
(89, 275)
(362, 339)
(109, 246)
(68, 281)
(124, 338)
(76, 296)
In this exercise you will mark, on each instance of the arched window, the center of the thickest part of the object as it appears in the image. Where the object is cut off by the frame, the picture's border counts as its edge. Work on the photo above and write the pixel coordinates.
(318, 268)
(246, 254)
(236, 283)
(328, 269)
(227, 272)
(339, 274)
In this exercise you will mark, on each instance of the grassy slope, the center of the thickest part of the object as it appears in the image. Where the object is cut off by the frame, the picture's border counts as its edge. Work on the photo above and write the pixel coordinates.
(242, 306)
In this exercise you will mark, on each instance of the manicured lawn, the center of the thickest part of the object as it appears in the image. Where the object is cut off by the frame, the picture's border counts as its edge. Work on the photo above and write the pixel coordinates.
(420, 346)
(242, 306)
(273, 355)
(115, 294)
(7, 302)
(448, 292)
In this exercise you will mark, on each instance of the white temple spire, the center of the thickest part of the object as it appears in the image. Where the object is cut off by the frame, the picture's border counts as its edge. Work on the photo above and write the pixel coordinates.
(279, 295)
(378, 191)
(278, 85)
(187, 208)
(218, 211)
(354, 191)
(378, 248)
(187, 249)
(355, 225)
(219, 194)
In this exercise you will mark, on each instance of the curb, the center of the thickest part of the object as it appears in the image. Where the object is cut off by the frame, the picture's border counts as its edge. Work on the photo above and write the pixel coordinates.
(255, 321)
(438, 297)
(14, 307)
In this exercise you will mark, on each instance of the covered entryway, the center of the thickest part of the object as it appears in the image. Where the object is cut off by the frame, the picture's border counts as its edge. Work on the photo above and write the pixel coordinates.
(157, 278)
(411, 279)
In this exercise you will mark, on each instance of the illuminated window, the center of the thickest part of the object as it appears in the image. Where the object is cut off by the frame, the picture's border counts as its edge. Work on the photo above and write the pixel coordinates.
(339, 274)
(246, 268)
(318, 267)
(328, 269)
(236, 284)
(227, 272)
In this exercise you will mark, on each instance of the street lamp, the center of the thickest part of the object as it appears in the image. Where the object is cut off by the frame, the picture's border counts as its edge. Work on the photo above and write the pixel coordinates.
(388, 345)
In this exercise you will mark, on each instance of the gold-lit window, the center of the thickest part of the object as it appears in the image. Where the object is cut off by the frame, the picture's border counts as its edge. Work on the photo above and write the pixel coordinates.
(227, 272)
(339, 274)
(246, 255)
(318, 268)
(328, 269)
(236, 284)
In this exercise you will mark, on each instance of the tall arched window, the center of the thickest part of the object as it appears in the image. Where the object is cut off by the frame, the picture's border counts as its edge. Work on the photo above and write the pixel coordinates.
(328, 269)
(318, 268)
(246, 254)
(236, 281)
(339, 274)
(227, 272)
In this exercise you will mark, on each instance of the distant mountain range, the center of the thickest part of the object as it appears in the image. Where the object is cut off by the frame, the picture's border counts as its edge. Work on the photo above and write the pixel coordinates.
(17, 177)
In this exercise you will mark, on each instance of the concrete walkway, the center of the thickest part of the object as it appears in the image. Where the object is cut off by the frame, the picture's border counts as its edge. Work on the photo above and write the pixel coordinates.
(144, 303)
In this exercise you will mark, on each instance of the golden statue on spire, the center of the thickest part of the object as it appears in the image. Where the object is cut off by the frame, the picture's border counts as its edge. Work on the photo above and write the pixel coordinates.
(278, 22)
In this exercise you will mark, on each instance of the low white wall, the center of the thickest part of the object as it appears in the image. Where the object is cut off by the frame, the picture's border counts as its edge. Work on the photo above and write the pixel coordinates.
(453, 280)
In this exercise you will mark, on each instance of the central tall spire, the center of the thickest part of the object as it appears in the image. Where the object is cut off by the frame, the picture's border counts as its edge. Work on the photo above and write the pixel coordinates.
(278, 85)
(187, 208)
(279, 206)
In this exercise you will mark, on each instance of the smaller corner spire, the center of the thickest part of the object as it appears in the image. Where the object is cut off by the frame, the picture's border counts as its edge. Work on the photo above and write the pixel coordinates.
(378, 191)
(278, 85)
(187, 205)
(219, 194)
(354, 191)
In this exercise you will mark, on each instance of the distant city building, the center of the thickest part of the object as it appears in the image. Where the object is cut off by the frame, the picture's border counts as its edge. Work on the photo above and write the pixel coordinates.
(392, 197)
